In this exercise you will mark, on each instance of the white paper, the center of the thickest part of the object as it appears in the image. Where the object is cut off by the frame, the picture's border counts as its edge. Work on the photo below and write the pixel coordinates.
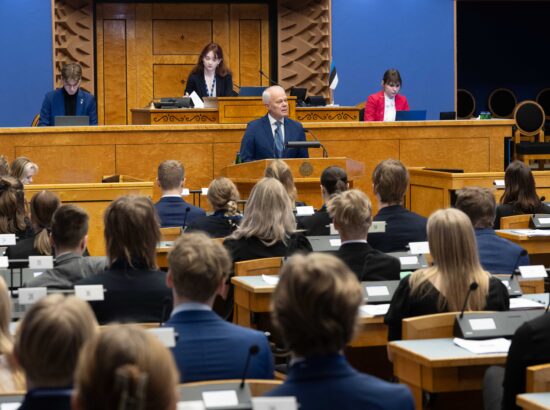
(533, 271)
(37, 274)
(378, 227)
(197, 102)
(270, 279)
(531, 232)
(29, 296)
(419, 248)
(377, 290)
(185, 192)
(4, 262)
(166, 335)
(40, 262)
(89, 292)
(274, 403)
(7, 239)
(499, 345)
(204, 191)
(408, 260)
(335, 242)
(524, 303)
(220, 398)
(544, 220)
(375, 310)
(10, 406)
(190, 405)
(333, 230)
(482, 324)
(499, 183)
(304, 210)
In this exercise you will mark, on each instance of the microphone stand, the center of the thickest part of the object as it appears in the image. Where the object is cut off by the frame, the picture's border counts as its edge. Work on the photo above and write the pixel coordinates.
(325, 152)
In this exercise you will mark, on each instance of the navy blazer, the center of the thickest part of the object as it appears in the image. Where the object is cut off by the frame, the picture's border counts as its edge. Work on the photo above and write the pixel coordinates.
(54, 105)
(195, 82)
(329, 382)
(47, 399)
(499, 255)
(172, 209)
(258, 141)
(209, 348)
(368, 263)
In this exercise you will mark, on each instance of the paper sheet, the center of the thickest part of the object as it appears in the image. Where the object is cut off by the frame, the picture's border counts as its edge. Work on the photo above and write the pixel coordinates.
(499, 345)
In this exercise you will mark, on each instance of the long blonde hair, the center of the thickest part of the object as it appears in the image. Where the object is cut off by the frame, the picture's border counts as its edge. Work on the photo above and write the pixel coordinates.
(280, 170)
(268, 214)
(456, 262)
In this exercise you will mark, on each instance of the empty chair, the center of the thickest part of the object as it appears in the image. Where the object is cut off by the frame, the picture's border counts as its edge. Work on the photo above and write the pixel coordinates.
(465, 104)
(502, 102)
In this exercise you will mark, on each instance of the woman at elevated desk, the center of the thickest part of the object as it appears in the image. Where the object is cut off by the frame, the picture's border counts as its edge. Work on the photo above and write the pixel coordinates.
(210, 77)
(383, 105)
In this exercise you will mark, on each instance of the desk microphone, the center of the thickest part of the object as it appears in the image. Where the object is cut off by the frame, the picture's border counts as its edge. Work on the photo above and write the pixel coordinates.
(268, 78)
(166, 305)
(187, 210)
(325, 153)
(252, 351)
(473, 286)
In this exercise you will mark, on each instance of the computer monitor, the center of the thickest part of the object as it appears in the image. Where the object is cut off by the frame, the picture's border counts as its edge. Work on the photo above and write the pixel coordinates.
(447, 115)
(413, 115)
(251, 91)
(71, 120)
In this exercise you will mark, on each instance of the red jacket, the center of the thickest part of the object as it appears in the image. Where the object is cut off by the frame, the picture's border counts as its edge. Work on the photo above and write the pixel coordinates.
(374, 108)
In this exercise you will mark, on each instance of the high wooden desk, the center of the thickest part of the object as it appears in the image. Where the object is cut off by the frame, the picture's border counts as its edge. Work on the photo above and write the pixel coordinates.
(253, 295)
(533, 401)
(538, 247)
(438, 366)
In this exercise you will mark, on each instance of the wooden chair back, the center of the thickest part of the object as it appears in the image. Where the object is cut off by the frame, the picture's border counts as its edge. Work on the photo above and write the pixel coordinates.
(170, 234)
(538, 378)
(515, 221)
(258, 387)
(434, 326)
(253, 267)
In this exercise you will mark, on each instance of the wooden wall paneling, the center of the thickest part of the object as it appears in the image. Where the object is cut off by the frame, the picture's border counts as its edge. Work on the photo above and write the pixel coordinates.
(115, 74)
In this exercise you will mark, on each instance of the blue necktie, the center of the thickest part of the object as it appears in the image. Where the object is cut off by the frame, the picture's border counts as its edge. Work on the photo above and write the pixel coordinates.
(278, 139)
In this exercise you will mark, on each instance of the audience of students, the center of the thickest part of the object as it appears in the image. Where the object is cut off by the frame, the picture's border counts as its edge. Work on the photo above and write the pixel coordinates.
(13, 216)
(223, 197)
(135, 289)
(315, 308)
(125, 368)
(11, 376)
(23, 169)
(333, 181)
(351, 212)
(496, 254)
(172, 210)
(390, 180)
(280, 170)
(443, 286)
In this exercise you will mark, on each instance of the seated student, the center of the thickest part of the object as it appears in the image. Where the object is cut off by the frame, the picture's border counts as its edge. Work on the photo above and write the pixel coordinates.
(443, 286)
(13, 217)
(315, 308)
(125, 368)
(23, 169)
(4, 166)
(11, 376)
(47, 344)
(69, 235)
(198, 269)
(351, 213)
(222, 196)
(42, 207)
(520, 193)
(268, 225)
(69, 99)
(135, 289)
(496, 254)
(172, 209)
(333, 181)
(390, 179)
(280, 170)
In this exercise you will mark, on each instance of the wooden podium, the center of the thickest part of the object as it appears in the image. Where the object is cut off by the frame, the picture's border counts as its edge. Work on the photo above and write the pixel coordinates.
(306, 172)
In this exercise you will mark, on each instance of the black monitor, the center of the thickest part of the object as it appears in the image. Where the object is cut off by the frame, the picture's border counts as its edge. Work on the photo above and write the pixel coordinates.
(71, 120)
(251, 91)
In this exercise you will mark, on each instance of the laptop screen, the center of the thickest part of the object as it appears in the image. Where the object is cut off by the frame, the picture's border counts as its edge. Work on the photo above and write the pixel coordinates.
(413, 115)
(71, 120)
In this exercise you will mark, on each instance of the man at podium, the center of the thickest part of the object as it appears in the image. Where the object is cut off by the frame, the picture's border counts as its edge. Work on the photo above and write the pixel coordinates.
(266, 136)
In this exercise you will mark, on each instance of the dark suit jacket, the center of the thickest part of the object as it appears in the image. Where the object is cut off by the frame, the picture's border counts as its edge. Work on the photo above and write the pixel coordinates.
(244, 249)
(171, 211)
(329, 382)
(132, 295)
(529, 347)
(209, 348)
(402, 227)
(258, 141)
(317, 224)
(499, 255)
(509, 210)
(22, 249)
(368, 263)
(216, 225)
(47, 399)
(54, 105)
(195, 82)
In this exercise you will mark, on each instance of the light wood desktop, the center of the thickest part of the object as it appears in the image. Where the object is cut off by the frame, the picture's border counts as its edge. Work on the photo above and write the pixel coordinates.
(534, 401)
(538, 247)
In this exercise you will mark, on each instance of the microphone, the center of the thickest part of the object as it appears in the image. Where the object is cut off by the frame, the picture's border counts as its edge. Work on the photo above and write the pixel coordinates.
(325, 153)
(268, 78)
(473, 286)
(187, 210)
(166, 304)
(252, 351)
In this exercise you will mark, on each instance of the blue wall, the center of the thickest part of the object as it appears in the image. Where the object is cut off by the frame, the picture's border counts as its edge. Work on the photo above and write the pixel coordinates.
(414, 36)
(26, 72)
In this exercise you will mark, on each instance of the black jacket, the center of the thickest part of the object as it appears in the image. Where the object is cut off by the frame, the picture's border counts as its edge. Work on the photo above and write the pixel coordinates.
(368, 263)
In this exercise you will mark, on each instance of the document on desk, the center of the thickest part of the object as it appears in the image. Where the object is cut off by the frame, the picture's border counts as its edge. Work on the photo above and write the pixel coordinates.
(270, 279)
(524, 303)
(375, 310)
(531, 232)
(488, 346)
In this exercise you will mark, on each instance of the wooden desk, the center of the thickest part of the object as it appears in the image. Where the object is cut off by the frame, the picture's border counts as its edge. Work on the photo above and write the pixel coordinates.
(253, 295)
(534, 401)
(438, 366)
(538, 247)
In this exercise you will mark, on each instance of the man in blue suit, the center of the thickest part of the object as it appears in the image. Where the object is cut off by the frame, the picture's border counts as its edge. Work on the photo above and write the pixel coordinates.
(266, 136)
(208, 347)
(172, 209)
(69, 99)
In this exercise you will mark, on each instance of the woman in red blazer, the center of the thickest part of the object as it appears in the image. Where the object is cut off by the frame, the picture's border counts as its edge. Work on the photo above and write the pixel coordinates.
(389, 96)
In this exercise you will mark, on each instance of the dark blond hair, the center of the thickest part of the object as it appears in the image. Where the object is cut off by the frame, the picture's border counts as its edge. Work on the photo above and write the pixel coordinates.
(20, 166)
(315, 304)
(69, 226)
(479, 204)
(390, 179)
(125, 368)
(279, 170)
(42, 206)
(351, 212)
(71, 71)
(223, 195)
(49, 339)
(12, 206)
(132, 231)
(198, 265)
(170, 174)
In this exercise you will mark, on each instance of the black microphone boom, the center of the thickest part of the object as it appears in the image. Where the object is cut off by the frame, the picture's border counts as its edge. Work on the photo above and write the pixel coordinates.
(325, 152)
(252, 351)
(473, 286)
(268, 78)
(187, 210)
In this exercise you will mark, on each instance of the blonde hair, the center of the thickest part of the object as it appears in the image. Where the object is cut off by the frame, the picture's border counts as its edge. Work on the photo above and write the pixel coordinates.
(456, 262)
(279, 170)
(126, 368)
(198, 265)
(6, 344)
(223, 195)
(170, 174)
(268, 214)
(390, 179)
(43, 205)
(315, 304)
(49, 339)
(20, 166)
(12, 205)
(351, 211)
